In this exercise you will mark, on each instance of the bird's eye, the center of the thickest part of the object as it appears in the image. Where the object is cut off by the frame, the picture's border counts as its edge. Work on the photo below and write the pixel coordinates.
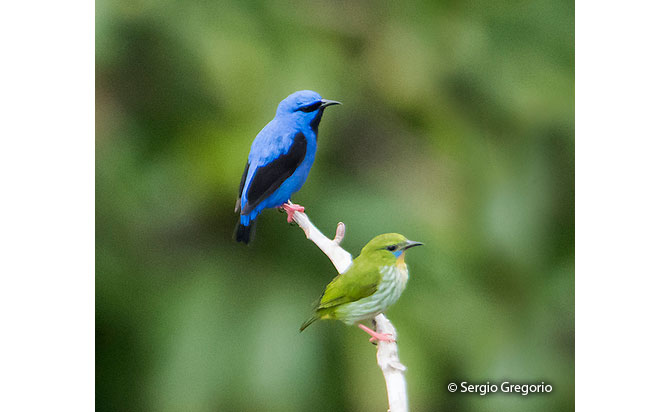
(391, 248)
(310, 108)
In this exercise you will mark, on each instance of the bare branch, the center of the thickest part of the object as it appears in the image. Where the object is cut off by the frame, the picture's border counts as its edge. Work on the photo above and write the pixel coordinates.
(341, 258)
(339, 233)
(393, 369)
(387, 354)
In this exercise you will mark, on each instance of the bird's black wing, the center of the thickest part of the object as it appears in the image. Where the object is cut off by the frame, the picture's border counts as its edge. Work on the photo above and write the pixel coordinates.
(242, 183)
(268, 178)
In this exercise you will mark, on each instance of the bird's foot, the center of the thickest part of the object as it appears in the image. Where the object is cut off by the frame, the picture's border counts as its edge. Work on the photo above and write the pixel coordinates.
(290, 208)
(375, 336)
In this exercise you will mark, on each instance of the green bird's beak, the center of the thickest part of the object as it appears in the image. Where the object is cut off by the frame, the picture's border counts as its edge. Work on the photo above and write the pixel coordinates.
(411, 243)
(326, 103)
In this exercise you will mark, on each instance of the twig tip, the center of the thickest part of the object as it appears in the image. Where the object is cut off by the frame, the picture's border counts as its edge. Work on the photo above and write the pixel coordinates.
(339, 233)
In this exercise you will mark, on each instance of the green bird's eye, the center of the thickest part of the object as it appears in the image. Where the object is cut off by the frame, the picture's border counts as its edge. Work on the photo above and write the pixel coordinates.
(391, 248)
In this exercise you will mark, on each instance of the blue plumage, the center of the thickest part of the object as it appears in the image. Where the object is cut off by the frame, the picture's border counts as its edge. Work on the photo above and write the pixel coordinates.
(280, 158)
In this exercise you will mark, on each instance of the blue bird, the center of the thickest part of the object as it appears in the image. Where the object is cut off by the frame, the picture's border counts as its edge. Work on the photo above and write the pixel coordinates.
(279, 160)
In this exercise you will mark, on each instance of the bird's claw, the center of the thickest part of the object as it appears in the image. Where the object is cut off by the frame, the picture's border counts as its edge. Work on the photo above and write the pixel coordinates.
(376, 336)
(382, 337)
(291, 208)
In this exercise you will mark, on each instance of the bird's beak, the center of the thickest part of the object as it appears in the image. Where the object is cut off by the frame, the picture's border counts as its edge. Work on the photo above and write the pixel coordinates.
(411, 243)
(326, 103)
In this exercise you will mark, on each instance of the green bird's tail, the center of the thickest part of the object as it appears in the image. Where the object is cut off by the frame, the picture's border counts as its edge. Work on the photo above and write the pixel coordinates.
(309, 322)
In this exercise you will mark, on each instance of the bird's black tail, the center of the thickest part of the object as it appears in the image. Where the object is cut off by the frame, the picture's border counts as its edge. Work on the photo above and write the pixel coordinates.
(244, 233)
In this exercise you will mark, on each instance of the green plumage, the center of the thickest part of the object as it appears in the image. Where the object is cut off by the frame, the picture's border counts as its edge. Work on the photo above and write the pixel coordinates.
(374, 282)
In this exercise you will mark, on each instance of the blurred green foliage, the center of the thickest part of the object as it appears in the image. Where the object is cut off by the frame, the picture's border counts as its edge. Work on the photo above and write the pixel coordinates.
(457, 130)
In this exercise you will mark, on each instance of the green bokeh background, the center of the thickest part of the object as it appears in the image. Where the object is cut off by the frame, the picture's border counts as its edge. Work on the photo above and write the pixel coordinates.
(457, 130)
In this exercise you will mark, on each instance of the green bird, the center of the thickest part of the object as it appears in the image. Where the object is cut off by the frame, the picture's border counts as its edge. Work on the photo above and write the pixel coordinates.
(373, 283)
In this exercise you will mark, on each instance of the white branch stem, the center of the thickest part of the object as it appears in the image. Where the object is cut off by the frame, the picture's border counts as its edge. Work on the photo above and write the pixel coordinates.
(341, 258)
(393, 369)
(387, 355)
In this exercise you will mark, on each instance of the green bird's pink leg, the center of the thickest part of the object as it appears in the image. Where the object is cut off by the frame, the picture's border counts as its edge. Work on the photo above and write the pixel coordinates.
(290, 208)
(380, 337)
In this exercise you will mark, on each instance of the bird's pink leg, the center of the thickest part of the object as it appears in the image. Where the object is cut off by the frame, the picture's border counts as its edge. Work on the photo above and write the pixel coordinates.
(380, 337)
(290, 208)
